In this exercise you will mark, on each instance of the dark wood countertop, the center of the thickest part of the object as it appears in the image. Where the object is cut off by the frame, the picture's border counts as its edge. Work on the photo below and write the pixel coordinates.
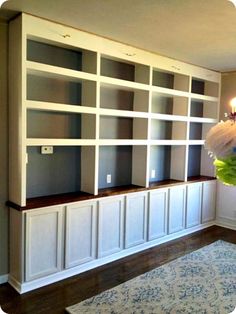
(60, 199)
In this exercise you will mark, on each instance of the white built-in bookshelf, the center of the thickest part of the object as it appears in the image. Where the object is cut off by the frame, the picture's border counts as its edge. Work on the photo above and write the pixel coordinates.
(137, 117)
(127, 170)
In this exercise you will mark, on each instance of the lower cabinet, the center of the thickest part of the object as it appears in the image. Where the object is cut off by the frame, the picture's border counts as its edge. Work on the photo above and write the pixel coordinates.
(43, 246)
(135, 219)
(110, 226)
(45, 241)
(157, 214)
(208, 201)
(193, 204)
(80, 235)
(177, 208)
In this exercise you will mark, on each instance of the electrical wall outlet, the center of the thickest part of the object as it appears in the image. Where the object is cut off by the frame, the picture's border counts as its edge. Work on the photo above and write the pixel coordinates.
(153, 173)
(46, 150)
(108, 178)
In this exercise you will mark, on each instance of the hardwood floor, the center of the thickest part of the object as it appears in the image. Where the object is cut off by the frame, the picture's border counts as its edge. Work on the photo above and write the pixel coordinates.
(55, 298)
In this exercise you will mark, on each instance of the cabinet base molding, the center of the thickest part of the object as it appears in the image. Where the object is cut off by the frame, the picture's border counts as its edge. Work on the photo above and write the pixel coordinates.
(38, 283)
(3, 279)
(226, 223)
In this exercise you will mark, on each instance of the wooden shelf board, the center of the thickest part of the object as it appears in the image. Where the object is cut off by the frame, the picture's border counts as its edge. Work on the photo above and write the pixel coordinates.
(196, 142)
(50, 106)
(202, 120)
(164, 183)
(123, 113)
(122, 84)
(120, 190)
(51, 71)
(169, 117)
(168, 142)
(203, 97)
(50, 200)
(169, 91)
(121, 142)
(200, 178)
(60, 142)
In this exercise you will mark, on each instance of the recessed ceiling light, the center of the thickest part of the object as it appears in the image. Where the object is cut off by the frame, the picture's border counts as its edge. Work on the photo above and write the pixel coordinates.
(233, 1)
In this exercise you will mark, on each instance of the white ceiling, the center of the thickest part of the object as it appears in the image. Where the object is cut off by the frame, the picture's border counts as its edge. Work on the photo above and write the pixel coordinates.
(201, 32)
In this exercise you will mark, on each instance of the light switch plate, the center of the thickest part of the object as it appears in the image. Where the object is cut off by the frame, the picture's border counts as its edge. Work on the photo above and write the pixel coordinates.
(46, 150)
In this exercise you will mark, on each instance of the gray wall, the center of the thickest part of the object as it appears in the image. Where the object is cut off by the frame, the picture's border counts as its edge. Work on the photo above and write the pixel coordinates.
(53, 174)
(194, 160)
(228, 91)
(160, 157)
(3, 151)
(117, 161)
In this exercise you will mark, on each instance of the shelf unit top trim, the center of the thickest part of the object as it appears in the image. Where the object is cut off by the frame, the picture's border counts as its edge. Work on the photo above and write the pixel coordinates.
(48, 31)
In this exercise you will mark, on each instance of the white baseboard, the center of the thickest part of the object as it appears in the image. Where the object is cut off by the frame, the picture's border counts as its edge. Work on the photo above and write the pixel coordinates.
(226, 223)
(37, 283)
(15, 284)
(3, 279)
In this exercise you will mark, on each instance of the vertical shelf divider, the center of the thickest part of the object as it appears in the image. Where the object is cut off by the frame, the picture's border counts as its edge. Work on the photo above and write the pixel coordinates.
(98, 94)
(178, 153)
(17, 108)
(139, 165)
(149, 126)
(188, 131)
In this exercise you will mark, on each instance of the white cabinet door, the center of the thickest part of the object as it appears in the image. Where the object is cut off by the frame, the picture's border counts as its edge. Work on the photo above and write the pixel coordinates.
(43, 242)
(176, 208)
(80, 233)
(194, 204)
(209, 201)
(157, 219)
(135, 219)
(110, 226)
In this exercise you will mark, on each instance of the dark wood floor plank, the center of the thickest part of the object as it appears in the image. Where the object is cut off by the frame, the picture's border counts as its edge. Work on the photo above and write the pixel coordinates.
(54, 298)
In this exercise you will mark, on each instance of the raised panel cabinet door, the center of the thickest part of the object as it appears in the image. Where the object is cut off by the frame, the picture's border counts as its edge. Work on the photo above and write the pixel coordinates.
(110, 226)
(43, 242)
(176, 209)
(194, 205)
(80, 233)
(209, 201)
(135, 219)
(157, 218)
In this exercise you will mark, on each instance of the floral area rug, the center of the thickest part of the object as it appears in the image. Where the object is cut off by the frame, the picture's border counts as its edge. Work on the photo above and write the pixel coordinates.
(202, 282)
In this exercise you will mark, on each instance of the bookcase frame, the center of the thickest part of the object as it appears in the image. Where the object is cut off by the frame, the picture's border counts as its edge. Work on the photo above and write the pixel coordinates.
(110, 75)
